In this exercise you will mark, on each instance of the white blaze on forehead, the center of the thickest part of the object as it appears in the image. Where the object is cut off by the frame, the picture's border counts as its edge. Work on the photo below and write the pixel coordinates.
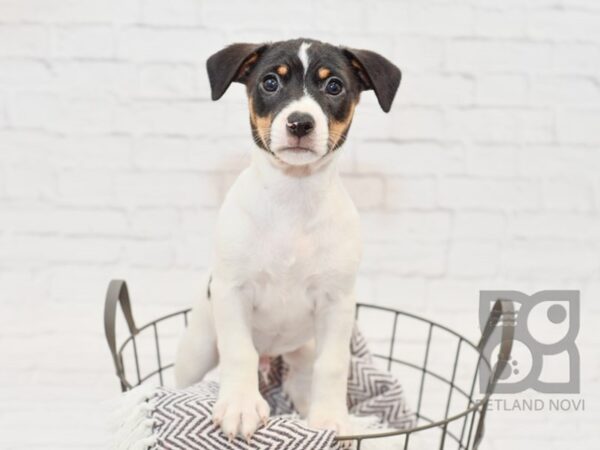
(303, 55)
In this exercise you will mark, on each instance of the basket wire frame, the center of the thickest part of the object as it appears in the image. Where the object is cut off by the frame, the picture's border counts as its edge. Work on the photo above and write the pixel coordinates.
(470, 420)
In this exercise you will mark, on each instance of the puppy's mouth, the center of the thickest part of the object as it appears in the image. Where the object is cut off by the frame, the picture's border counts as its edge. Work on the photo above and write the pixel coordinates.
(296, 149)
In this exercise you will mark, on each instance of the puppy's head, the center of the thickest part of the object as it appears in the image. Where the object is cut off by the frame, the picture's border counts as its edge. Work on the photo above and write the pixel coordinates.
(302, 93)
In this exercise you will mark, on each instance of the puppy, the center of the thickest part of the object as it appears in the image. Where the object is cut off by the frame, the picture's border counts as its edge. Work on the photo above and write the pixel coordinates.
(288, 241)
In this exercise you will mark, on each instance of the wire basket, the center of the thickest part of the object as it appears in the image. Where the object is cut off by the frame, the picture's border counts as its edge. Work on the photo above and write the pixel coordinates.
(442, 377)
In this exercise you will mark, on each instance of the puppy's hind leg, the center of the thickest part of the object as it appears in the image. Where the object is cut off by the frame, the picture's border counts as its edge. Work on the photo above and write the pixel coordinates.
(197, 351)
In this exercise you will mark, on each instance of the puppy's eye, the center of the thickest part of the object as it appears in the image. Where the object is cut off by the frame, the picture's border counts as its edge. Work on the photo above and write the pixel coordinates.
(270, 83)
(333, 86)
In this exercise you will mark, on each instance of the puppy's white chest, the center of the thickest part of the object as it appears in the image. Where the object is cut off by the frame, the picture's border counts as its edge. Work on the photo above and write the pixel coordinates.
(291, 247)
(288, 253)
(282, 320)
(284, 304)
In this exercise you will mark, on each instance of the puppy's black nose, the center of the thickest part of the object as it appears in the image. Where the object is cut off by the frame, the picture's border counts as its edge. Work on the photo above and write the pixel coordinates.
(300, 124)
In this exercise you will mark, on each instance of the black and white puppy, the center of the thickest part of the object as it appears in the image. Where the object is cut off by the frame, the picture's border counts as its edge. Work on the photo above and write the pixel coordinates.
(288, 241)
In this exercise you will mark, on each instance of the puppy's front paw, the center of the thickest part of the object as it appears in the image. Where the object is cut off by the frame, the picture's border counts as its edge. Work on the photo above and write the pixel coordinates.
(325, 419)
(240, 412)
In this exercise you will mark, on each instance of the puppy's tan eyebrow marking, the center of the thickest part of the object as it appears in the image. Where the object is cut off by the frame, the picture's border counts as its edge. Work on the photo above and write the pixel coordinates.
(283, 70)
(324, 72)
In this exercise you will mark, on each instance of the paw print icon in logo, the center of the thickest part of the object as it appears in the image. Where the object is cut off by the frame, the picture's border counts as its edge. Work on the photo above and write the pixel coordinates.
(544, 357)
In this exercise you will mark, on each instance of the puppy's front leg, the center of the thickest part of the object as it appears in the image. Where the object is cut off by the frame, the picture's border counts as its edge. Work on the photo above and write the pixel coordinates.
(240, 407)
(334, 323)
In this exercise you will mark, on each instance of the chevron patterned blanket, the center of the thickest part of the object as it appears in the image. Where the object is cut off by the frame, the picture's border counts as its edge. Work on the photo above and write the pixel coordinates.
(161, 418)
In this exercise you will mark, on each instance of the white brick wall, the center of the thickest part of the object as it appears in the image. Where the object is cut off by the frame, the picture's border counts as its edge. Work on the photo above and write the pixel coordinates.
(113, 161)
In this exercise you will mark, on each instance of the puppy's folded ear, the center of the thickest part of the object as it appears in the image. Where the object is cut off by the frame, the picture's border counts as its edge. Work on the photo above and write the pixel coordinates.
(233, 63)
(377, 73)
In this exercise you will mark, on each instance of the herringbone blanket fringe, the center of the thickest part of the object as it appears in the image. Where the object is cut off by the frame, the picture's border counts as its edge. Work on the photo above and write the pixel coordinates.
(160, 418)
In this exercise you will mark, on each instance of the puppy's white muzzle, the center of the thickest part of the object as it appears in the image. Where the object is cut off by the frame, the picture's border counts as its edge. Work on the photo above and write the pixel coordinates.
(299, 132)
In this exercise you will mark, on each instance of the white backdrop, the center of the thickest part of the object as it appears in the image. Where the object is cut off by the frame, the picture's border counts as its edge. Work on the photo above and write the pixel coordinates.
(113, 161)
